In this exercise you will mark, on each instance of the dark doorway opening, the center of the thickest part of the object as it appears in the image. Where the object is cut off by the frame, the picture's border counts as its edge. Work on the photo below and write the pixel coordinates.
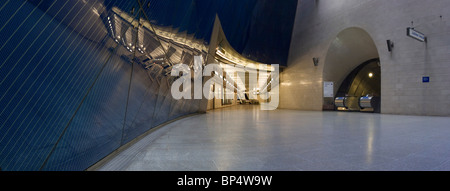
(362, 84)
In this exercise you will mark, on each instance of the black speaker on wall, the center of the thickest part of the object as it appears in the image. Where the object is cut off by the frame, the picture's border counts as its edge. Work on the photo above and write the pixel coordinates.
(390, 45)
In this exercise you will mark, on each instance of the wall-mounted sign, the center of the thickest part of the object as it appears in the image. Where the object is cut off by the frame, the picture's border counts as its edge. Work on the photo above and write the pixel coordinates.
(328, 89)
(411, 32)
(426, 79)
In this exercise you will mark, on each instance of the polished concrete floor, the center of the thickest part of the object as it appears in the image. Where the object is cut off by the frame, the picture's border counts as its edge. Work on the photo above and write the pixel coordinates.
(244, 138)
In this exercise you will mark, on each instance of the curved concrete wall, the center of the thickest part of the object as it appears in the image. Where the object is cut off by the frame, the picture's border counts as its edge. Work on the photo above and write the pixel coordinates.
(317, 25)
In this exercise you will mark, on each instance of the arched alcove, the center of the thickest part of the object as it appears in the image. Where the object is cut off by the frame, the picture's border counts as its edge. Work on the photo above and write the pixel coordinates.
(351, 48)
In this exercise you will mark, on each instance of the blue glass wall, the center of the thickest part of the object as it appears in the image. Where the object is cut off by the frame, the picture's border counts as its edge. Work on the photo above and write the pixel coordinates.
(71, 95)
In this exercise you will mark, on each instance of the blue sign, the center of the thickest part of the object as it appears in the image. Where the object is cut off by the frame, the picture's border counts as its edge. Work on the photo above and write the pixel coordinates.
(426, 79)
(416, 34)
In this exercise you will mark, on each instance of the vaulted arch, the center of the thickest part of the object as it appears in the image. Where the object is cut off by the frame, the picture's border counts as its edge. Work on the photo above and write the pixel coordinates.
(351, 48)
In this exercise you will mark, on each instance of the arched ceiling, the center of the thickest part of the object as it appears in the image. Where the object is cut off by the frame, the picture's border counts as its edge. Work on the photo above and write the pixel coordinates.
(258, 29)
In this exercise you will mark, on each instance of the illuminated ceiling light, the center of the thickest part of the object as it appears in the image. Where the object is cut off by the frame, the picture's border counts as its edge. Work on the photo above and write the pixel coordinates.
(95, 11)
(370, 75)
(237, 61)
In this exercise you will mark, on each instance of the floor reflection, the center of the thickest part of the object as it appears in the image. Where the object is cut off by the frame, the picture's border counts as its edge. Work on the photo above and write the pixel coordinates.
(246, 138)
